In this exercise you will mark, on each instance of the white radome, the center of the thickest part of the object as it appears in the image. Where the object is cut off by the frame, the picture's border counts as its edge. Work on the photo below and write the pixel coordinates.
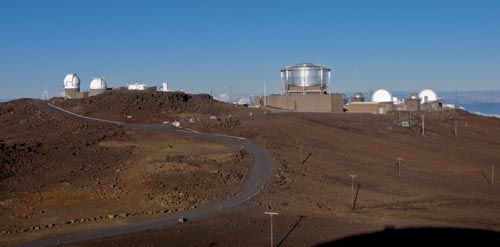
(381, 95)
(98, 83)
(427, 95)
(71, 81)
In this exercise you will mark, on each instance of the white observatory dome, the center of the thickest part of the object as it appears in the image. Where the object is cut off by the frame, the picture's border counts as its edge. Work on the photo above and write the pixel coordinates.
(98, 83)
(382, 95)
(71, 81)
(427, 95)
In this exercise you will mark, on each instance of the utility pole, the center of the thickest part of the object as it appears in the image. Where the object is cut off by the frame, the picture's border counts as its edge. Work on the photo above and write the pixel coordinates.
(352, 189)
(265, 94)
(301, 156)
(271, 214)
(399, 166)
(423, 124)
(456, 128)
(229, 94)
(492, 174)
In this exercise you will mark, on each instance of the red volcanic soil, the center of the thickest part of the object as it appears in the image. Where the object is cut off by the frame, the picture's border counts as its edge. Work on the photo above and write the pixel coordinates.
(444, 180)
(61, 174)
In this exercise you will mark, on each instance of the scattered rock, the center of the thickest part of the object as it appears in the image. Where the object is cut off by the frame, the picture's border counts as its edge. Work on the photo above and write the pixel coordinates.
(182, 219)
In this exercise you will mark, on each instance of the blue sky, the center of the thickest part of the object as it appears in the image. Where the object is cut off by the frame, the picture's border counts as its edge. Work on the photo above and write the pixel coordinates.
(203, 45)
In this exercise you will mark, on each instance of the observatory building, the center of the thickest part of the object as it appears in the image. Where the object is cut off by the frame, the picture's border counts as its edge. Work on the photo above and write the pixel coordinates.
(381, 95)
(429, 100)
(412, 103)
(305, 78)
(72, 87)
(97, 86)
(305, 88)
(382, 102)
(427, 95)
(358, 97)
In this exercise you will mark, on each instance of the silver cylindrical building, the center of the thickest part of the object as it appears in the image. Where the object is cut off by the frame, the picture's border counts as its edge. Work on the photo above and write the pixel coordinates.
(305, 78)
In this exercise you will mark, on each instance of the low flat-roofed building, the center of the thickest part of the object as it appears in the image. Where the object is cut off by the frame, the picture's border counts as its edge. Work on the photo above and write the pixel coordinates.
(304, 102)
(370, 107)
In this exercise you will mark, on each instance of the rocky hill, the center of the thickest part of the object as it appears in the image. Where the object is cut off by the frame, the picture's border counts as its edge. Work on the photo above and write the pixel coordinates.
(150, 107)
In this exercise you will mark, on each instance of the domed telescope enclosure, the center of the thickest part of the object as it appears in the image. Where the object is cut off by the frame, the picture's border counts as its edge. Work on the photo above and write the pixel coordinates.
(71, 81)
(97, 86)
(428, 95)
(382, 95)
(358, 97)
(414, 96)
(71, 86)
(305, 78)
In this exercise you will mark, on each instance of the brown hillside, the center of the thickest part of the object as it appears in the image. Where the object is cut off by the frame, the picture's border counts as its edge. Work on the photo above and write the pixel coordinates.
(150, 107)
(62, 174)
(445, 180)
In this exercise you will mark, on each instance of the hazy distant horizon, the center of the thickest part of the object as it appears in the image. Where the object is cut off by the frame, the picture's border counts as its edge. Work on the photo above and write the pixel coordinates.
(464, 96)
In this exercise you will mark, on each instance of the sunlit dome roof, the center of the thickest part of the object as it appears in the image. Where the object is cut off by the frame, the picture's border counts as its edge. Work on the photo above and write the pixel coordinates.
(382, 95)
(98, 83)
(427, 95)
(71, 81)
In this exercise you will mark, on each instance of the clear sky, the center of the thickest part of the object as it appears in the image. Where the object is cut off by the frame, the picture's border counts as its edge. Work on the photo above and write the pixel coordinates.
(199, 45)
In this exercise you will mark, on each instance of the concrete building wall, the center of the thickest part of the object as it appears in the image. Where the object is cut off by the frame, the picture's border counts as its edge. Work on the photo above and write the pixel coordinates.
(305, 103)
(94, 92)
(412, 105)
(371, 107)
(432, 105)
(354, 99)
(73, 93)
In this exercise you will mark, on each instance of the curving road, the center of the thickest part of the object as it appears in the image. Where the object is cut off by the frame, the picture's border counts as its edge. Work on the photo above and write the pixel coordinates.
(253, 184)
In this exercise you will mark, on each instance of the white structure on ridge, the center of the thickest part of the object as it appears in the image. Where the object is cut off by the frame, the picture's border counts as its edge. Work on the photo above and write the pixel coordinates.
(427, 95)
(137, 86)
(165, 87)
(71, 86)
(382, 95)
(97, 86)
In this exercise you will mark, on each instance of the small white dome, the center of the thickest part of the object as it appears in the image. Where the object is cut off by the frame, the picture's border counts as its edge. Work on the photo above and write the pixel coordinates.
(382, 95)
(98, 83)
(427, 95)
(71, 81)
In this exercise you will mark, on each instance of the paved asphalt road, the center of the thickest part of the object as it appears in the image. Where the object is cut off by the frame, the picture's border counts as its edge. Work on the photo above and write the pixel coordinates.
(253, 184)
